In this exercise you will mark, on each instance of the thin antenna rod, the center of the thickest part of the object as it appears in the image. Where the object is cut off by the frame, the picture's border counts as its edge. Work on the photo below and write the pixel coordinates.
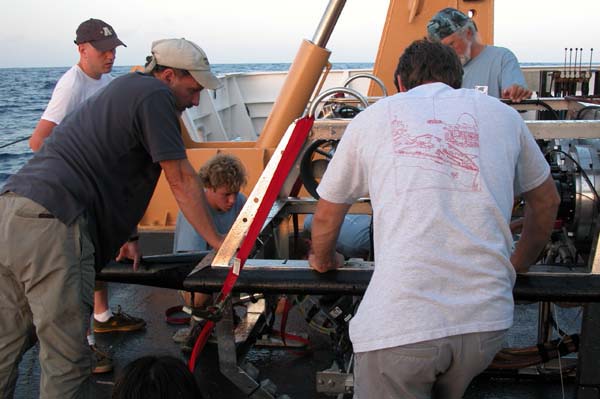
(565, 65)
(570, 58)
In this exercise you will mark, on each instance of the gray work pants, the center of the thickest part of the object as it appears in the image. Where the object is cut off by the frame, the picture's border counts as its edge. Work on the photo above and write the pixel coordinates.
(46, 289)
(440, 368)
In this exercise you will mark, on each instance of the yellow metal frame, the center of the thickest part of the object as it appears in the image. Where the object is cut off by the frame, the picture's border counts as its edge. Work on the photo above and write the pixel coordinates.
(406, 21)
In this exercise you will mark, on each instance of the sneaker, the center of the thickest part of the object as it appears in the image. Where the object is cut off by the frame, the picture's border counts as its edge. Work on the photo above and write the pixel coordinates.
(103, 363)
(182, 335)
(119, 321)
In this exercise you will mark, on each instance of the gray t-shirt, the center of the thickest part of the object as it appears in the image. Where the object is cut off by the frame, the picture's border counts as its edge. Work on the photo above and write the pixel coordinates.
(496, 68)
(187, 238)
(102, 160)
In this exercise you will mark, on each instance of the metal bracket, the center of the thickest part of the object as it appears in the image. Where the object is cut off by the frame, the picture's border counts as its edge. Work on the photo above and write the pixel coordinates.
(241, 225)
(335, 382)
(244, 377)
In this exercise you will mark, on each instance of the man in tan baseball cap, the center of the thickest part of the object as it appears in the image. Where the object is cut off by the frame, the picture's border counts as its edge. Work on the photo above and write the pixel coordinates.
(91, 182)
(185, 55)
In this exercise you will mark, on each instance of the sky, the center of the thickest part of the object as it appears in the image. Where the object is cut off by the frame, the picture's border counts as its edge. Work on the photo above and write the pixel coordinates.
(36, 33)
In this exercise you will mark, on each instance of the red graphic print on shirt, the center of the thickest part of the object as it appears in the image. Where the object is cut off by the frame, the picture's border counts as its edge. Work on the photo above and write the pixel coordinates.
(448, 151)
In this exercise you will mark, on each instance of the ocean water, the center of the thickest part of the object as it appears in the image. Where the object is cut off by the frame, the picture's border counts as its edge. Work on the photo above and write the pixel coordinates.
(25, 92)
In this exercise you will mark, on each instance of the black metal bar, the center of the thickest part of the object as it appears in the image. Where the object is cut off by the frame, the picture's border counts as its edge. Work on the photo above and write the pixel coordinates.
(165, 271)
(295, 278)
(543, 82)
(291, 281)
(588, 367)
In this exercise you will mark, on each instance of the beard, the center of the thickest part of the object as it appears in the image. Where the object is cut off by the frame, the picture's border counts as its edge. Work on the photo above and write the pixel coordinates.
(466, 56)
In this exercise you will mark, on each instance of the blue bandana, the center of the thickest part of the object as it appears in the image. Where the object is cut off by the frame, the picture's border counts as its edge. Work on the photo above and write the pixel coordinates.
(445, 23)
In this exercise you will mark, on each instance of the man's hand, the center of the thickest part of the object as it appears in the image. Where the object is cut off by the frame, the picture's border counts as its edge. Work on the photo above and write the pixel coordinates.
(130, 250)
(516, 93)
(324, 265)
(327, 221)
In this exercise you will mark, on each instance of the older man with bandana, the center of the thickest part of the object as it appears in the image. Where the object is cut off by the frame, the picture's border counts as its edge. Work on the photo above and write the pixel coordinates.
(493, 70)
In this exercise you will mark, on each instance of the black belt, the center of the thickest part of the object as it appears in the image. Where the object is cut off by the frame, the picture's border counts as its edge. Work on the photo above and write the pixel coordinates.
(40, 215)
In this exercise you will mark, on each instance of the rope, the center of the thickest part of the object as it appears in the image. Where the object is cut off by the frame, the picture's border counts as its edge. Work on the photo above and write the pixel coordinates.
(14, 142)
(583, 174)
(170, 317)
(517, 358)
(562, 383)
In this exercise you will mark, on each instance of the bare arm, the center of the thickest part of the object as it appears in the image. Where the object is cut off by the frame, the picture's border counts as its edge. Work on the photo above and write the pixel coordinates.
(43, 129)
(540, 213)
(327, 222)
(188, 192)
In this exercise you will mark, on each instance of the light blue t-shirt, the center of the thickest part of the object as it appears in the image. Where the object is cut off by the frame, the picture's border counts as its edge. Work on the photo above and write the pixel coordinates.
(496, 68)
(186, 237)
(354, 240)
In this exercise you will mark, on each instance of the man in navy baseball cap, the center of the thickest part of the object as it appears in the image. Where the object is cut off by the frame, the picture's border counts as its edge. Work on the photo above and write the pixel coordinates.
(99, 34)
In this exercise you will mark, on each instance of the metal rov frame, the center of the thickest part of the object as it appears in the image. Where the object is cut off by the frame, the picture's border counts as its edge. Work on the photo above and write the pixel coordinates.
(271, 272)
(542, 283)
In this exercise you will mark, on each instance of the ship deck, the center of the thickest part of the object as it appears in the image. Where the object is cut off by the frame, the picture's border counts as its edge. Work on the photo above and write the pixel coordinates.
(292, 372)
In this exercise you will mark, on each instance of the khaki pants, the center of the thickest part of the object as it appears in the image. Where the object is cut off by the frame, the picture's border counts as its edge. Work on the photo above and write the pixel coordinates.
(46, 289)
(440, 368)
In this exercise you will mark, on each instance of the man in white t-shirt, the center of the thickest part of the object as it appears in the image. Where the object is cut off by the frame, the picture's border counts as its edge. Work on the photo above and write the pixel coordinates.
(442, 166)
(97, 44)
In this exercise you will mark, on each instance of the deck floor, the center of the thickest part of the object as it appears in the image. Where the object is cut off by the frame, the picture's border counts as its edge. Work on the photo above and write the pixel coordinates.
(293, 374)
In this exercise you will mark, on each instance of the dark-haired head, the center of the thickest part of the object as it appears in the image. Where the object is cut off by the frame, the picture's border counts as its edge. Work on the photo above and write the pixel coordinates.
(156, 69)
(427, 62)
(156, 377)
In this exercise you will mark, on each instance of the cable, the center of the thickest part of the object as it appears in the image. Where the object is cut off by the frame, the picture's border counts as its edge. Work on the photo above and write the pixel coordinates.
(583, 173)
(310, 318)
(535, 102)
(549, 108)
(14, 142)
(582, 110)
(559, 357)
(307, 173)
(585, 196)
